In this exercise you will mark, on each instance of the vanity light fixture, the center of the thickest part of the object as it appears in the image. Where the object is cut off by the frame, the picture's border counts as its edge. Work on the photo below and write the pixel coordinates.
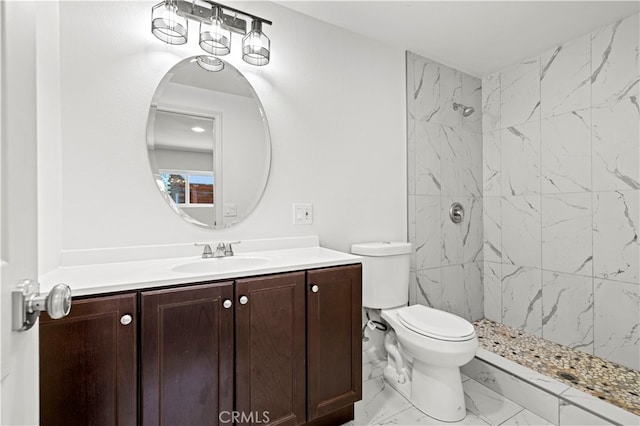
(170, 23)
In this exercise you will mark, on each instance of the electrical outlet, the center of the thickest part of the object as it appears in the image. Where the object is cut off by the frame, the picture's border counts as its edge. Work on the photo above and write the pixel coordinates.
(302, 213)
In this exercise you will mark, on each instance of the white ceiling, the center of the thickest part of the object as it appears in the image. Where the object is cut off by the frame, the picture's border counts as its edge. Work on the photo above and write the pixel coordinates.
(477, 37)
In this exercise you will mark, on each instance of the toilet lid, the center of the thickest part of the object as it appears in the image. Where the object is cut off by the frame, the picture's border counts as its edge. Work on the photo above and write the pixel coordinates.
(435, 323)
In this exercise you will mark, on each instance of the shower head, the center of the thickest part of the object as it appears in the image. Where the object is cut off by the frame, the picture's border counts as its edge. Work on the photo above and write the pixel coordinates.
(466, 110)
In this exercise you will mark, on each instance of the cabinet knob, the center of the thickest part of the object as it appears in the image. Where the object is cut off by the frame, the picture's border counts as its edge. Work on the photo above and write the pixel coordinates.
(315, 288)
(227, 304)
(244, 300)
(126, 319)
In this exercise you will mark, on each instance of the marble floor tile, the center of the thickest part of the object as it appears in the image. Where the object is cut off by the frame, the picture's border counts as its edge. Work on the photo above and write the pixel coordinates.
(415, 417)
(526, 417)
(488, 405)
(379, 401)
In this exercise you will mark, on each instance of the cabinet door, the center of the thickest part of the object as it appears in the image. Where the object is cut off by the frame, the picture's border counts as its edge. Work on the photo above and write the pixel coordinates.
(334, 345)
(88, 363)
(270, 349)
(186, 355)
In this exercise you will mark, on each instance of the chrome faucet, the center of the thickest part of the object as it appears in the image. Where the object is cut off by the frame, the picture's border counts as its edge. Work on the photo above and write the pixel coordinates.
(222, 250)
(207, 253)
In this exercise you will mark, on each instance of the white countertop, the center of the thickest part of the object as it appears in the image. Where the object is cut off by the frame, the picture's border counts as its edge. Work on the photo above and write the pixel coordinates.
(90, 279)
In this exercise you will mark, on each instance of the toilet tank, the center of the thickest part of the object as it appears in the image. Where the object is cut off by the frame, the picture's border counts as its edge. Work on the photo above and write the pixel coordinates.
(385, 273)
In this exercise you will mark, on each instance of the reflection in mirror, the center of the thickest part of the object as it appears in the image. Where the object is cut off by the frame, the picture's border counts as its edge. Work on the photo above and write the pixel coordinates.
(208, 144)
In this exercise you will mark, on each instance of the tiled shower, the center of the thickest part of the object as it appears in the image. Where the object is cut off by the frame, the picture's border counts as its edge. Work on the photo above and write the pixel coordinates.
(548, 172)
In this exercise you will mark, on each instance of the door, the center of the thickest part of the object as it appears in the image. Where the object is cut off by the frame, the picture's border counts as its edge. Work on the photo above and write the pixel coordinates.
(187, 355)
(88, 363)
(270, 350)
(334, 344)
(18, 220)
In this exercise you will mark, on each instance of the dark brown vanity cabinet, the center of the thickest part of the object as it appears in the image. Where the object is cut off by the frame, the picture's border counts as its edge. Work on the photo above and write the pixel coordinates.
(334, 340)
(279, 349)
(88, 363)
(186, 360)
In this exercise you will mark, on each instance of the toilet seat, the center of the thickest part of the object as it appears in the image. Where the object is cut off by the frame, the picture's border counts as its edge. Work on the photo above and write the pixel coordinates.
(436, 324)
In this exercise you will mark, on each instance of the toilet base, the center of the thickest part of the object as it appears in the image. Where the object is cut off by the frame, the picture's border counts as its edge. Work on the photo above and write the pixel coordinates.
(436, 391)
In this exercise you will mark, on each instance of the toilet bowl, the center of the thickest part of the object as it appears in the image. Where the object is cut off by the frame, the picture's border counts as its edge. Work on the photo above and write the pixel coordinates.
(438, 343)
(425, 347)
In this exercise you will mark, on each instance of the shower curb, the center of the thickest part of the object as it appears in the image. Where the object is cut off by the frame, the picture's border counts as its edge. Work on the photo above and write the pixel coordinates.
(548, 398)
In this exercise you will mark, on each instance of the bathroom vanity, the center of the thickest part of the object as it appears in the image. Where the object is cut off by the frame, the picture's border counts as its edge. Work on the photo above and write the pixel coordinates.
(268, 344)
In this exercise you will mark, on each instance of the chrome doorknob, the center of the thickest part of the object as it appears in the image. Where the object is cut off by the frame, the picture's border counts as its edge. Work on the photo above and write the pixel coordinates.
(58, 302)
(27, 303)
(244, 300)
(315, 288)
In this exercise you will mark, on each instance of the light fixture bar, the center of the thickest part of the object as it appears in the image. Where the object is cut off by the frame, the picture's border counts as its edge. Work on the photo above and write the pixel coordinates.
(203, 10)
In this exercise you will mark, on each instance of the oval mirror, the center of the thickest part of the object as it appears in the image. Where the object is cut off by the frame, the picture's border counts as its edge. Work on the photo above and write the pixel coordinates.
(208, 142)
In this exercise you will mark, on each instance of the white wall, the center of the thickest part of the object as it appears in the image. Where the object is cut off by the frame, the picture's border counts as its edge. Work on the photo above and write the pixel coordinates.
(336, 109)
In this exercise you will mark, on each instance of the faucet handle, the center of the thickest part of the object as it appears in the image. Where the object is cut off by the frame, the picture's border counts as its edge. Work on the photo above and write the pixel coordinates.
(207, 252)
(229, 249)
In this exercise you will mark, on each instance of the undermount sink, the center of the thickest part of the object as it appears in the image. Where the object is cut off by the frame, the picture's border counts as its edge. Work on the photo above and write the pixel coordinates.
(222, 264)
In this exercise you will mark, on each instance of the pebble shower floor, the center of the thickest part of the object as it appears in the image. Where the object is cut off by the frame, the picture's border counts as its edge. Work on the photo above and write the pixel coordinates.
(603, 379)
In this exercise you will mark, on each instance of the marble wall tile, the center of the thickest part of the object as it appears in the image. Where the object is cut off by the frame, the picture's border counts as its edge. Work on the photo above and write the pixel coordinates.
(455, 295)
(491, 164)
(614, 52)
(491, 103)
(411, 154)
(473, 294)
(520, 93)
(472, 158)
(453, 161)
(413, 288)
(428, 247)
(491, 282)
(566, 233)
(427, 148)
(424, 88)
(617, 322)
(492, 229)
(566, 152)
(616, 150)
(472, 241)
(472, 96)
(522, 298)
(452, 234)
(429, 287)
(567, 310)
(521, 235)
(520, 159)
(616, 223)
(411, 229)
(450, 92)
(565, 77)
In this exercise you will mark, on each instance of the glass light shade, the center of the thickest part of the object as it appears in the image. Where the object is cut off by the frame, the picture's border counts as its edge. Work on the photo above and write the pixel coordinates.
(215, 37)
(210, 63)
(256, 47)
(167, 25)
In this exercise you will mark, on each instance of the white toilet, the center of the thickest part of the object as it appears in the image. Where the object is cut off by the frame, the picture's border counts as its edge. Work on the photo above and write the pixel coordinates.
(426, 346)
